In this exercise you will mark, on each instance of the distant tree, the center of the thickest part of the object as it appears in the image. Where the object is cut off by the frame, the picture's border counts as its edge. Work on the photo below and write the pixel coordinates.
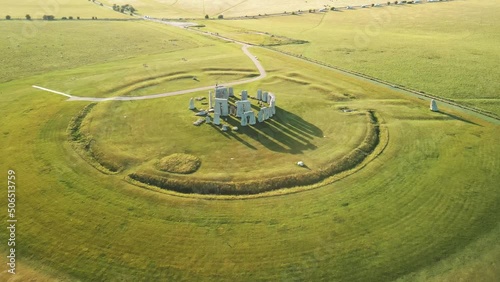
(220, 17)
(70, 18)
(373, 5)
(7, 17)
(28, 17)
(388, 3)
(77, 18)
(396, 2)
(206, 17)
(64, 18)
(332, 8)
(48, 17)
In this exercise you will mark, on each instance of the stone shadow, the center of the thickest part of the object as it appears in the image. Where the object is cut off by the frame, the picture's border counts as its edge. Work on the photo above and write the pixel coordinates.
(452, 116)
(285, 132)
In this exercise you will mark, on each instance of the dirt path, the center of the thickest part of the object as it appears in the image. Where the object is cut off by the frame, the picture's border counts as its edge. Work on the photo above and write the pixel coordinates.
(244, 48)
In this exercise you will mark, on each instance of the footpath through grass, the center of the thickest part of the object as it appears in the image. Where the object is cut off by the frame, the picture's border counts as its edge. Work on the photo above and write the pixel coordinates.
(427, 207)
(446, 49)
(173, 9)
(404, 205)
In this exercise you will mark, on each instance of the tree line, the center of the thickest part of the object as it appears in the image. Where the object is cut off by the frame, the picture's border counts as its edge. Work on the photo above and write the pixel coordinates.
(124, 8)
(47, 17)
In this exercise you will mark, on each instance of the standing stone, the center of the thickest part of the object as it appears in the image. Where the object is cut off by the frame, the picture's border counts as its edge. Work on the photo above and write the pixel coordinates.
(260, 117)
(208, 119)
(216, 119)
(267, 112)
(221, 92)
(221, 107)
(231, 92)
(265, 96)
(191, 104)
(244, 95)
(232, 110)
(259, 94)
(272, 104)
(239, 108)
(434, 106)
(244, 120)
(251, 117)
(210, 102)
(247, 106)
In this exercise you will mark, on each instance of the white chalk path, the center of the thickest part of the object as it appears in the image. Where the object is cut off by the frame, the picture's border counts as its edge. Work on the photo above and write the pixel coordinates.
(260, 68)
(50, 90)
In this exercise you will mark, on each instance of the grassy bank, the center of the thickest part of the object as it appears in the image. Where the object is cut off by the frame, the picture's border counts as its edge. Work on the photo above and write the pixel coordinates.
(426, 208)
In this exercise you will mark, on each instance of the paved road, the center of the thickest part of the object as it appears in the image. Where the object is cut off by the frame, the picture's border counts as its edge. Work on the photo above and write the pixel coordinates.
(244, 48)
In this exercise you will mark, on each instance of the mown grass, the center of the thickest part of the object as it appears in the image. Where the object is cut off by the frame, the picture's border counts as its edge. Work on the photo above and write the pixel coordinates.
(426, 208)
(153, 74)
(445, 49)
(66, 45)
(262, 184)
(302, 130)
(399, 214)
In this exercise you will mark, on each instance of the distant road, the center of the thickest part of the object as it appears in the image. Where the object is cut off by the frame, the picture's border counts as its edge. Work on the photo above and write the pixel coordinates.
(263, 74)
(244, 48)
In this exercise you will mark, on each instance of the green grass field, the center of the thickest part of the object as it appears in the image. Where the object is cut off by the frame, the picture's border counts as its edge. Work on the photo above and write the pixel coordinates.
(426, 209)
(60, 8)
(111, 46)
(228, 8)
(446, 49)
(279, 144)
